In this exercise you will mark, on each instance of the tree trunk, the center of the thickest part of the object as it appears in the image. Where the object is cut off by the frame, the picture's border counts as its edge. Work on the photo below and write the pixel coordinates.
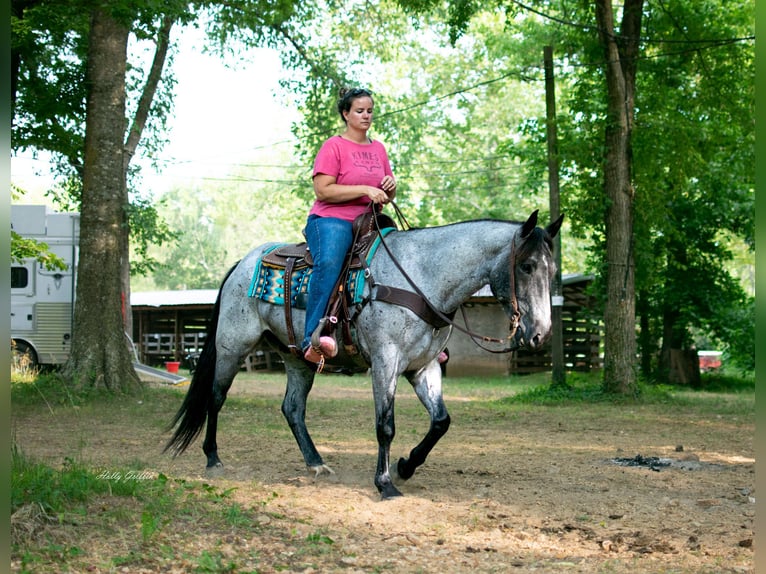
(620, 312)
(646, 342)
(684, 368)
(669, 341)
(100, 357)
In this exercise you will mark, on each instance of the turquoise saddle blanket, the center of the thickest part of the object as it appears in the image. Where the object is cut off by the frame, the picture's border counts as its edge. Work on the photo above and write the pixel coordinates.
(268, 283)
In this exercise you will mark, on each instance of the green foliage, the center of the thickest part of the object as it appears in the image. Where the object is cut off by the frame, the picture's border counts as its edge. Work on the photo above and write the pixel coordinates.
(587, 389)
(211, 236)
(459, 104)
(49, 44)
(693, 153)
(59, 490)
(441, 124)
(50, 40)
(27, 248)
(727, 381)
(150, 230)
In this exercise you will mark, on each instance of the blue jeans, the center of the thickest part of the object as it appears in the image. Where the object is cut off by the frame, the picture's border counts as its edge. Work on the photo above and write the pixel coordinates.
(329, 240)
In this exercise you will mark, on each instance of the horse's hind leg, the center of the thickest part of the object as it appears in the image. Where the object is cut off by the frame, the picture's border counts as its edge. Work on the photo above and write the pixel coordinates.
(428, 387)
(300, 379)
(226, 368)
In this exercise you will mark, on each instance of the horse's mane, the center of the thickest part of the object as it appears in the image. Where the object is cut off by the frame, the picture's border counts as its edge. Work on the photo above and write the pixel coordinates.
(465, 222)
(533, 242)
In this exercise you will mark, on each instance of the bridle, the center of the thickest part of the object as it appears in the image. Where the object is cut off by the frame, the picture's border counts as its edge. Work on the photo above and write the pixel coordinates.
(475, 337)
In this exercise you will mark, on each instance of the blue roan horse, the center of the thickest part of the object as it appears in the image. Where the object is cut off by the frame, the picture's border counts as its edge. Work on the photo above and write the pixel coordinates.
(446, 264)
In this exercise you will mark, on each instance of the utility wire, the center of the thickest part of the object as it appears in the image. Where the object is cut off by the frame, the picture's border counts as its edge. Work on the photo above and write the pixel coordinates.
(592, 28)
(524, 74)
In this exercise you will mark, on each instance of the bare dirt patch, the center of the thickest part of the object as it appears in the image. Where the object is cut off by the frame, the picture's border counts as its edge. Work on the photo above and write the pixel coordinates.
(509, 489)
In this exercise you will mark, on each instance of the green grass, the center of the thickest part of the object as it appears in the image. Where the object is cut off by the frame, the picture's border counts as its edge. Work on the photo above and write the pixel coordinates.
(65, 496)
(587, 388)
(59, 490)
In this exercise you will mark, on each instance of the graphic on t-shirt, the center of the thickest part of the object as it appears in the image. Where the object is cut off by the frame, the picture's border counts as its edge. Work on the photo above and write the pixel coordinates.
(366, 160)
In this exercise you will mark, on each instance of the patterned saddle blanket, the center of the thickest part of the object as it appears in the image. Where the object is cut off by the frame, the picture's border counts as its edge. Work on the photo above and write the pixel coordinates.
(268, 282)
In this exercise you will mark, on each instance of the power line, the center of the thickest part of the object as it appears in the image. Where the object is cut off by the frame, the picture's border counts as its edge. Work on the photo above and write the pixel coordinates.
(523, 74)
(592, 28)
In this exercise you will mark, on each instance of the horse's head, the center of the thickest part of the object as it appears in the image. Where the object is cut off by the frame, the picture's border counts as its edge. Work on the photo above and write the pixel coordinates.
(524, 293)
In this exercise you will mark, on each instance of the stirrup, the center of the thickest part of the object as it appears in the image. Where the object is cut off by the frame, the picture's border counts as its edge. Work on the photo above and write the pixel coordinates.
(316, 339)
(314, 355)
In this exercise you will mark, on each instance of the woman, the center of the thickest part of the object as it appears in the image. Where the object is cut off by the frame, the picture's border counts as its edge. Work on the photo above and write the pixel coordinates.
(351, 171)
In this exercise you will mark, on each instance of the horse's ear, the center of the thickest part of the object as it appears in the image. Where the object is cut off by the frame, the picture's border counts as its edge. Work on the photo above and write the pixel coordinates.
(529, 226)
(553, 228)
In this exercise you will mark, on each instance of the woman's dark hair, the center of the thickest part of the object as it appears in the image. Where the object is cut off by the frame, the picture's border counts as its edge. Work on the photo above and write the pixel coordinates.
(347, 97)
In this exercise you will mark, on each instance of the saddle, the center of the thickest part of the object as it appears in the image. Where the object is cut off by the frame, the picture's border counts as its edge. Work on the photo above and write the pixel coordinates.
(296, 256)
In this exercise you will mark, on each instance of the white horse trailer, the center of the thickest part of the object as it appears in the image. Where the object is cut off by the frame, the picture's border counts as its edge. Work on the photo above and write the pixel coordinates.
(42, 301)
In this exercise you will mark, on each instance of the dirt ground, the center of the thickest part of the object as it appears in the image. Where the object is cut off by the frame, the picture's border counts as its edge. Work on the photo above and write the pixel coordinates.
(518, 490)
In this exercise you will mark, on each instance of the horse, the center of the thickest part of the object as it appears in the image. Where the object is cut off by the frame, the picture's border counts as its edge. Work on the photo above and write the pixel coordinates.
(445, 265)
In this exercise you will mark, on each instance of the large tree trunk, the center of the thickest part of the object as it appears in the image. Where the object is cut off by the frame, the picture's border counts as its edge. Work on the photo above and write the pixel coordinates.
(620, 311)
(100, 357)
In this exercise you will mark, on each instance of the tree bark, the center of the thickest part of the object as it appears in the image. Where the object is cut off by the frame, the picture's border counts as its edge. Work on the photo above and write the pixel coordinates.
(620, 360)
(100, 357)
(684, 368)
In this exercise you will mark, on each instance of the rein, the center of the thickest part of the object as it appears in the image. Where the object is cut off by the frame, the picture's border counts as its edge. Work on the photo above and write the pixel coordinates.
(475, 337)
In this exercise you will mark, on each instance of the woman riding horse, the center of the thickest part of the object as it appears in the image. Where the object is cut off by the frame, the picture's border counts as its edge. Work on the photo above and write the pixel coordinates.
(350, 171)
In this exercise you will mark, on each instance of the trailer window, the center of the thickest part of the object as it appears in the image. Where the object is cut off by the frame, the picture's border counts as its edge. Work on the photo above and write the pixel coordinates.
(19, 277)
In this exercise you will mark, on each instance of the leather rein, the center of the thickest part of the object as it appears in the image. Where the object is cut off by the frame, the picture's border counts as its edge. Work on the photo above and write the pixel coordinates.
(477, 338)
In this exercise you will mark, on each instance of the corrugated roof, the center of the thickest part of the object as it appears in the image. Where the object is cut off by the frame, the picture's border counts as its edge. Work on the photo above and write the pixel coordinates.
(207, 296)
(173, 298)
(566, 279)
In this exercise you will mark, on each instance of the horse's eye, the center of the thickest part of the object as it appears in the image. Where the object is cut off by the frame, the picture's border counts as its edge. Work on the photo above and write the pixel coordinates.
(527, 268)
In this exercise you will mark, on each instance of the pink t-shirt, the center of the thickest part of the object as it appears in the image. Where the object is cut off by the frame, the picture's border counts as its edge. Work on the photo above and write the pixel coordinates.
(351, 164)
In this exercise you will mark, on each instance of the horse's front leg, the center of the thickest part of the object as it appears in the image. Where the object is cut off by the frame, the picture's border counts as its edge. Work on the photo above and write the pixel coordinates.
(300, 379)
(428, 387)
(384, 389)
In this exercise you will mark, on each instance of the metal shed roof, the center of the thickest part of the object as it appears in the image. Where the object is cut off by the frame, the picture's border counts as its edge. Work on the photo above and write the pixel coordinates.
(173, 298)
(185, 297)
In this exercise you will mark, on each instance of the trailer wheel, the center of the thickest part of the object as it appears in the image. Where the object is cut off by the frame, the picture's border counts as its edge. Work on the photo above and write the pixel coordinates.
(23, 356)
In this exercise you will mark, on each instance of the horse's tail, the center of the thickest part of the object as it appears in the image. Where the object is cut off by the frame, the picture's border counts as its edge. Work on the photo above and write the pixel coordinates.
(192, 415)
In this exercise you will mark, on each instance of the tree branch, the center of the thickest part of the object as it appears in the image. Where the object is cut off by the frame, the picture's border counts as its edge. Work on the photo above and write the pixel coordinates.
(150, 88)
(307, 58)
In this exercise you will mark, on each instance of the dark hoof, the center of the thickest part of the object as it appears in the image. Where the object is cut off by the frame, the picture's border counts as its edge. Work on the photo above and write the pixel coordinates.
(389, 491)
(214, 463)
(403, 469)
(386, 488)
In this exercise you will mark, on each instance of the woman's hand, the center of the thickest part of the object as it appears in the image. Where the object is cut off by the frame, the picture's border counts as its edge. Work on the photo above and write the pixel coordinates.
(377, 195)
(326, 189)
(388, 184)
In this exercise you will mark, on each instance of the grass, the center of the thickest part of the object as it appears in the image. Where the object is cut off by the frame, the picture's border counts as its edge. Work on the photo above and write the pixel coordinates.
(48, 501)
(156, 521)
(586, 388)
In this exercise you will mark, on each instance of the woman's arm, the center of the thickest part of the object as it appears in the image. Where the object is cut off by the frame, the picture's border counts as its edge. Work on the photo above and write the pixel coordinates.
(326, 189)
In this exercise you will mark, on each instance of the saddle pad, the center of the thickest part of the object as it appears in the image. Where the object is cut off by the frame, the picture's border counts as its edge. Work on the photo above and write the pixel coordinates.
(268, 283)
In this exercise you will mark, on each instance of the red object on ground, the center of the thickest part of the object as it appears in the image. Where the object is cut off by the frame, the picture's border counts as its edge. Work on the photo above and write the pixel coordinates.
(709, 360)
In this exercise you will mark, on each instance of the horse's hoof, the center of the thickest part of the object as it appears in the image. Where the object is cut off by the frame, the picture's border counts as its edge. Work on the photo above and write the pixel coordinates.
(401, 470)
(320, 469)
(389, 491)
